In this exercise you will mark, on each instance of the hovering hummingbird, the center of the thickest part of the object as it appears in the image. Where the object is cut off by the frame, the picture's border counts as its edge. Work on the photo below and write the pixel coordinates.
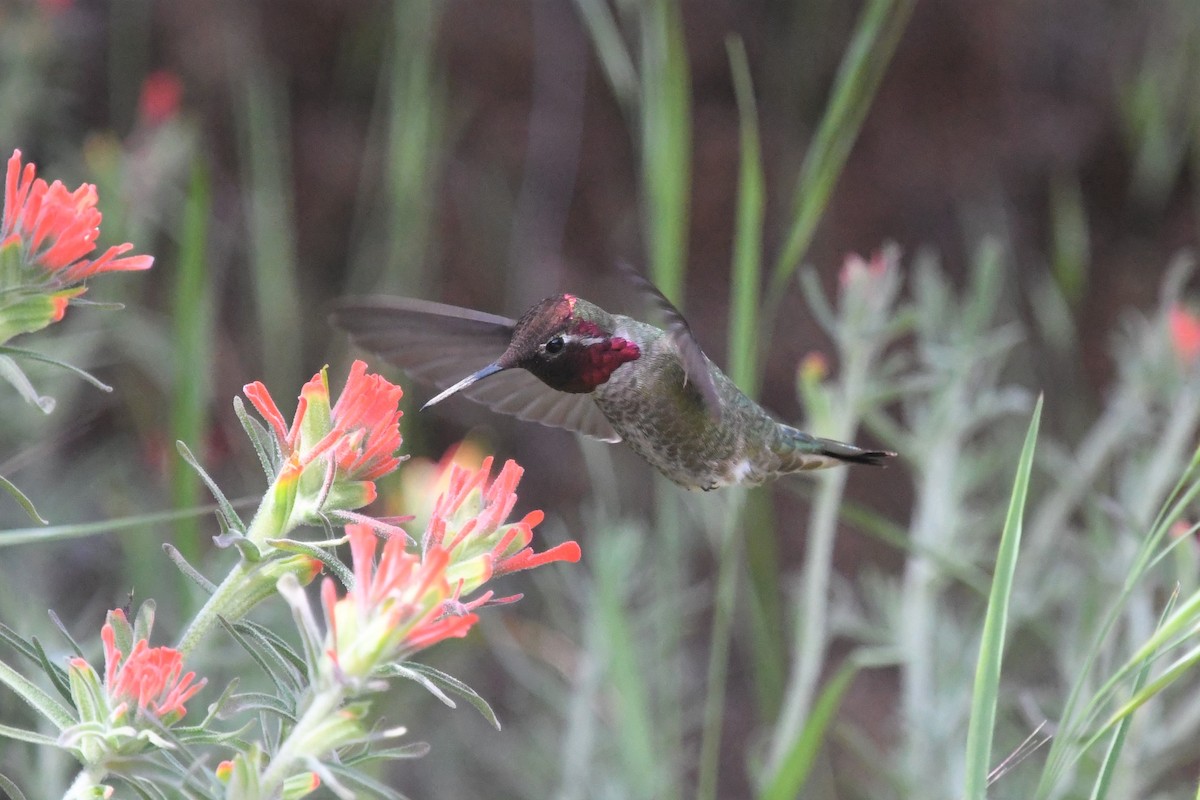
(568, 363)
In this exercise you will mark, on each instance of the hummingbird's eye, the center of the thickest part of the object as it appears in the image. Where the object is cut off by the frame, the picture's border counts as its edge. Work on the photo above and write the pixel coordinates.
(555, 345)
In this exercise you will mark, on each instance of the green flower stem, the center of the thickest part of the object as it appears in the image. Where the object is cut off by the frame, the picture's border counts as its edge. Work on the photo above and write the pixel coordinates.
(810, 640)
(305, 739)
(224, 602)
(86, 784)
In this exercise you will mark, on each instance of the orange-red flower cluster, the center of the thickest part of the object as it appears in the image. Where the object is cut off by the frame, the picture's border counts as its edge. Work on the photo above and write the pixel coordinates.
(394, 608)
(361, 432)
(150, 679)
(57, 228)
(469, 522)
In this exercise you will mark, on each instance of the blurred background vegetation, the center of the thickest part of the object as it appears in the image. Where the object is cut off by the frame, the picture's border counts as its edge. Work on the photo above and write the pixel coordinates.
(1033, 165)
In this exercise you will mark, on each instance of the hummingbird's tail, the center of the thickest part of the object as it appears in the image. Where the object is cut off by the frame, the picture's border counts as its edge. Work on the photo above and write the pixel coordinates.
(849, 454)
(803, 451)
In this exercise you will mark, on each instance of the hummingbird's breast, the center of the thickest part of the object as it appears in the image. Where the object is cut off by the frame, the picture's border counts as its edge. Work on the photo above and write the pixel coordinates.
(665, 421)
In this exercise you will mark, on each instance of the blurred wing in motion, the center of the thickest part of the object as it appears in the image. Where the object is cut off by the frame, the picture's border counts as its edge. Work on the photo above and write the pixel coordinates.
(695, 363)
(441, 344)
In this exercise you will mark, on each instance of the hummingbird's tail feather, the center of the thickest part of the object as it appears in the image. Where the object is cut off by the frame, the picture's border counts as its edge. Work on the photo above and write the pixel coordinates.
(799, 451)
(849, 454)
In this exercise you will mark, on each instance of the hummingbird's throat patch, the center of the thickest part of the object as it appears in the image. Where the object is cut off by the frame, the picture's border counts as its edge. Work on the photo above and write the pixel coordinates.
(602, 354)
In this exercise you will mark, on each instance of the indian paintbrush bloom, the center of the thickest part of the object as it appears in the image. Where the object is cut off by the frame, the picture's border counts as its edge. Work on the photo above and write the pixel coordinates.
(330, 456)
(469, 524)
(395, 607)
(46, 235)
(400, 604)
(322, 467)
(144, 690)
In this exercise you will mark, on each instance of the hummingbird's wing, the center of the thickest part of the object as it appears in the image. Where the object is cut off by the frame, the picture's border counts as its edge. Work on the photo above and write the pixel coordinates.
(440, 344)
(695, 363)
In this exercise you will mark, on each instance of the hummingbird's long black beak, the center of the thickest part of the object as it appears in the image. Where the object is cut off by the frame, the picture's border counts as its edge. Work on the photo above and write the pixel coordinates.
(490, 369)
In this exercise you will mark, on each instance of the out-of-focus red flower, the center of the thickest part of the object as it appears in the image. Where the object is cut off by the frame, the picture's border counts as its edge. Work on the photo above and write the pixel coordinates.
(149, 680)
(162, 92)
(855, 266)
(814, 367)
(1185, 333)
(394, 608)
(469, 523)
(55, 229)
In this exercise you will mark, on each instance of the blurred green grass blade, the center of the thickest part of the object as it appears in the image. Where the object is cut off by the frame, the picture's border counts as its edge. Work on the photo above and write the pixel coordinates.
(57, 533)
(789, 778)
(1071, 244)
(862, 69)
(1177, 669)
(191, 314)
(1073, 723)
(991, 648)
(666, 135)
(729, 569)
(614, 560)
(415, 126)
(746, 289)
(1112, 755)
(611, 51)
(747, 241)
(267, 177)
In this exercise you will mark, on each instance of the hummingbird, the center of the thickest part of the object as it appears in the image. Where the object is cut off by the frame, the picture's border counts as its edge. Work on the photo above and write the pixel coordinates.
(567, 363)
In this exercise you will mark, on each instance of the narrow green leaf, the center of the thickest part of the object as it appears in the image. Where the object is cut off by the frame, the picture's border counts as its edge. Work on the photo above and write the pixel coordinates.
(265, 445)
(666, 139)
(370, 786)
(20, 381)
(224, 507)
(789, 779)
(188, 570)
(10, 788)
(66, 634)
(17, 642)
(23, 500)
(285, 678)
(58, 533)
(1113, 754)
(56, 674)
(260, 701)
(276, 642)
(991, 648)
(458, 687)
(863, 66)
(22, 735)
(191, 318)
(37, 699)
(747, 241)
(343, 573)
(611, 52)
(33, 355)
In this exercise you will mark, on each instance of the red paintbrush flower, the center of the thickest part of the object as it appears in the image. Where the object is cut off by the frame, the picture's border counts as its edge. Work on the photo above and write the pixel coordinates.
(55, 229)
(469, 523)
(332, 454)
(395, 607)
(148, 680)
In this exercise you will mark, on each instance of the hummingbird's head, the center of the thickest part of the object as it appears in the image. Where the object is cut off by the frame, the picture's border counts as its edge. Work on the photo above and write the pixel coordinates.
(565, 342)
